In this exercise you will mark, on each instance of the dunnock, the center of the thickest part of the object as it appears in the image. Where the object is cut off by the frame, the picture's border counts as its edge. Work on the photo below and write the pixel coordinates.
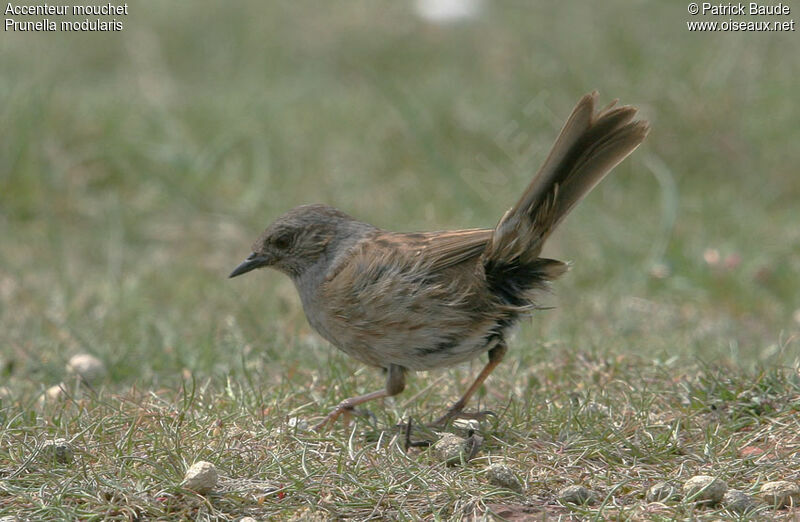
(417, 301)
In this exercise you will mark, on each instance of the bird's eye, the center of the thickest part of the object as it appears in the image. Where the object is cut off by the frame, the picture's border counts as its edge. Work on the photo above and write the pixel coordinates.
(283, 241)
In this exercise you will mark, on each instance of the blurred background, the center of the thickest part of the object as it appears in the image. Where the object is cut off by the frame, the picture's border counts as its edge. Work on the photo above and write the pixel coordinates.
(137, 167)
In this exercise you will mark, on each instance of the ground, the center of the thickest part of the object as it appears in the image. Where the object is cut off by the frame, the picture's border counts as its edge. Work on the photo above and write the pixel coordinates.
(139, 166)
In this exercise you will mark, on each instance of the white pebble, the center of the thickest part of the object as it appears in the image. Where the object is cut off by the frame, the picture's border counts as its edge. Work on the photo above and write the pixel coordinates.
(442, 11)
(780, 493)
(59, 450)
(576, 495)
(298, 424)
(200, 477)
(704, 489)
(88, 367)
(662, 492)
(467, 424)
(54, 394)
(450, 448)
(738, 501)
(454, 450)
(503, 476)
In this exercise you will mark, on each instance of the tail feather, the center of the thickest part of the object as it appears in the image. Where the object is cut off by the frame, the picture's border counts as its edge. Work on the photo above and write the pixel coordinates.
(588, 147)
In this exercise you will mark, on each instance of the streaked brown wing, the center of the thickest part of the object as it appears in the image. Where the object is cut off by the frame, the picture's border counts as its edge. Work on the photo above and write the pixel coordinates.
(448, 248)
(384, 301)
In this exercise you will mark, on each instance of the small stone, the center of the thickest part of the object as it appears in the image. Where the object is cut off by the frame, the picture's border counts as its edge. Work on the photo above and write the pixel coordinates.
(298, 424)
(467, 424)
(711, 256)
(58, 450)
(306, 514)
(738, 501)
(453, 450)
(781, 493)
(54, 393)
(504, 477)
(247, 519)
(660, 271)
(86, 366)
(576, 495)
(598, 409)
(704, 489)
(662, 492)
(200, 477)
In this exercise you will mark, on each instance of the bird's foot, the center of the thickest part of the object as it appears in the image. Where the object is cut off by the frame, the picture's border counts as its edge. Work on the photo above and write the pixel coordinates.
(332, 416)
(344, 410)
(457, 412)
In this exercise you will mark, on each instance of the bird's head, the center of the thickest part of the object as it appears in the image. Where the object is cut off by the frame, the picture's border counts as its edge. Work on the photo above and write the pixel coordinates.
(298, 239)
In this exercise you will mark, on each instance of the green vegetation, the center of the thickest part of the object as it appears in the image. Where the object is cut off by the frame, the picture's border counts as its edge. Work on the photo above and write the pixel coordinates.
(136, 168)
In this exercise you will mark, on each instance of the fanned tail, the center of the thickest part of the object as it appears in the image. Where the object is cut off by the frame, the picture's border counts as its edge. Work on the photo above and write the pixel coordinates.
(588, 147)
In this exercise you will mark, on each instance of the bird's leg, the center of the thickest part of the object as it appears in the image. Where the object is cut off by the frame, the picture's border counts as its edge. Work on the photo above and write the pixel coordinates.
(455, 411)
(395, 383)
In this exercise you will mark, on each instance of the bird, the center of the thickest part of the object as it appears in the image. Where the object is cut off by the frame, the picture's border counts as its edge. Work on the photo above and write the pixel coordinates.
(405, 302)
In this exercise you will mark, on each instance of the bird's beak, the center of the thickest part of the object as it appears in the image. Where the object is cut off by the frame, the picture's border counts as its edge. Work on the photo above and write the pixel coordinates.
(252, 262)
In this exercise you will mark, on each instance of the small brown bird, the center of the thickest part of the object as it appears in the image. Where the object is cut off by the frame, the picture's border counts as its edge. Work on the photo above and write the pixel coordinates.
(418, 301)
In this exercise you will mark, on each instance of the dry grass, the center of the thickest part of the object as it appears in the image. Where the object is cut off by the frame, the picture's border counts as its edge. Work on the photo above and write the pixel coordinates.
(615, 425)
(136, 169)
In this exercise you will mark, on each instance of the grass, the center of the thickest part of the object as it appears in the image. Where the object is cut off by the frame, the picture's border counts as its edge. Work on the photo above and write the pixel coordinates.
(136, 168)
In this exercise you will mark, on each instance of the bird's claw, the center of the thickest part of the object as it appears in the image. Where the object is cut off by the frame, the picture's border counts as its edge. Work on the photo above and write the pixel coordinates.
(458, 414)
(345, 410)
